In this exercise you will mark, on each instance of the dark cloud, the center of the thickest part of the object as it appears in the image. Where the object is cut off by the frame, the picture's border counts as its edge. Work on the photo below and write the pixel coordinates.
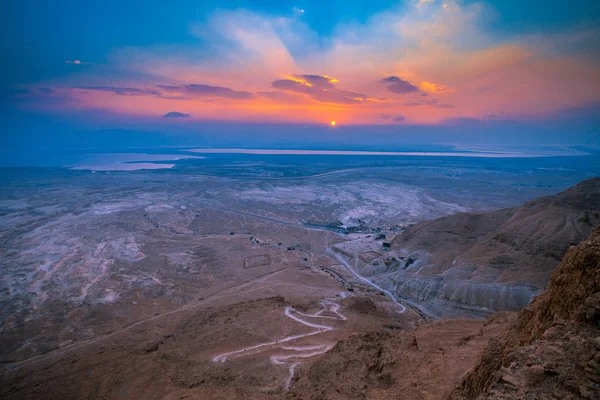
(320, 81)
(589, 111)
(176, 114)
(11, 92)
(428, 102)
(37, 97)
(463, 121)
(183, 91)
(320, 88)
(398, 118)
(195, 90)
(398, 85)
(123, 91)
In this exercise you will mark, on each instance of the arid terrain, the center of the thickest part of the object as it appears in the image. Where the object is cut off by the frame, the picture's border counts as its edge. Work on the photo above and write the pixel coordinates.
(248, 282)
(550, 350)
(494, 261)
(300, 200)
(553, 349)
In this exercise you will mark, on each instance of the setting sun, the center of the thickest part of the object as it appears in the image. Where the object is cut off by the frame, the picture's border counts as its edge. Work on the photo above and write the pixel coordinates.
(332, 123)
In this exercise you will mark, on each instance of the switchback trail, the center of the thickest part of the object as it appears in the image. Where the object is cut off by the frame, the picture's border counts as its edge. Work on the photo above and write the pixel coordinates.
(292, 355)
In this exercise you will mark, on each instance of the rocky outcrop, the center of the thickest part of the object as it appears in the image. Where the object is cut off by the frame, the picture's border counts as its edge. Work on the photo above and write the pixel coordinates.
(416, 365)
(553, 350)
(498, 260)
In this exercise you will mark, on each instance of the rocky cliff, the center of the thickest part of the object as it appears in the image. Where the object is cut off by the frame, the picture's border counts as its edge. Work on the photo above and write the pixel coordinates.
(553, 350)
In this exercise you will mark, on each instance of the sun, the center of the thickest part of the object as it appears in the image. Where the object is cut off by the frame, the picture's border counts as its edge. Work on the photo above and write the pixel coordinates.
(332, 123)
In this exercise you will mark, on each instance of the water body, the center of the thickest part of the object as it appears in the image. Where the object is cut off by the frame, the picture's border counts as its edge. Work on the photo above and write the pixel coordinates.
(475, 153)
(127, 161)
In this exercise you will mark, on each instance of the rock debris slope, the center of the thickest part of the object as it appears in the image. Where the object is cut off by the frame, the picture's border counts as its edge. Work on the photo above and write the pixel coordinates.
(553, 350)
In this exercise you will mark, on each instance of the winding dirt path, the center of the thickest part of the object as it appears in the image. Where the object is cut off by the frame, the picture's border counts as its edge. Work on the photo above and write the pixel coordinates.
(293, 354)
(354, 272)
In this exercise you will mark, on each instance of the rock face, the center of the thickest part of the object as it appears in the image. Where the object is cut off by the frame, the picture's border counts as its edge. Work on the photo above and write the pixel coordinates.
(496, 261)
(553, 350)
(417, 365)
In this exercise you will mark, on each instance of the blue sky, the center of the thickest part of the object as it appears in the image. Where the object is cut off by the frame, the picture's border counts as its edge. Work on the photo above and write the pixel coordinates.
(130, 64)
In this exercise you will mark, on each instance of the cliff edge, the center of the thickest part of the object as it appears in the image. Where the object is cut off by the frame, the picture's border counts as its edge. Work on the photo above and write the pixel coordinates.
(553, 349)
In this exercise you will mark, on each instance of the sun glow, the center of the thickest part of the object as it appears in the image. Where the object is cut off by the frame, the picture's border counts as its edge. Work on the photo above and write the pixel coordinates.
(332, 123)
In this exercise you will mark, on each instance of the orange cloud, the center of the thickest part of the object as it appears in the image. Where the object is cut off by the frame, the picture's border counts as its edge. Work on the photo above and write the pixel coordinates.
(439, 62)
(433, 87)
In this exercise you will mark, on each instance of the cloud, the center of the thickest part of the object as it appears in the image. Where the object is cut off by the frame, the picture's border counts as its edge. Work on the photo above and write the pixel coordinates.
(463, 121)
(320, 88)
(427, 102)
(449, 53)
(122, 91)
(249, 45)
(192, 90)
(196, 90)
(398, 85)
(433, 87)
(76, 62)
(176, 114)
(10, 92)
(398, 118)
(319, 81)
(47, 90)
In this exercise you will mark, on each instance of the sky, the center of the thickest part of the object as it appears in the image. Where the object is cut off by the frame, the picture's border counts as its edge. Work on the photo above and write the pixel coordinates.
(404, 67)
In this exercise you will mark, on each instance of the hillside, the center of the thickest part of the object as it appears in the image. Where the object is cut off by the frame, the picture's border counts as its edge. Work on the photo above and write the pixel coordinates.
(554, 347)
(551, 350)
(413, 365)
(496, 260)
